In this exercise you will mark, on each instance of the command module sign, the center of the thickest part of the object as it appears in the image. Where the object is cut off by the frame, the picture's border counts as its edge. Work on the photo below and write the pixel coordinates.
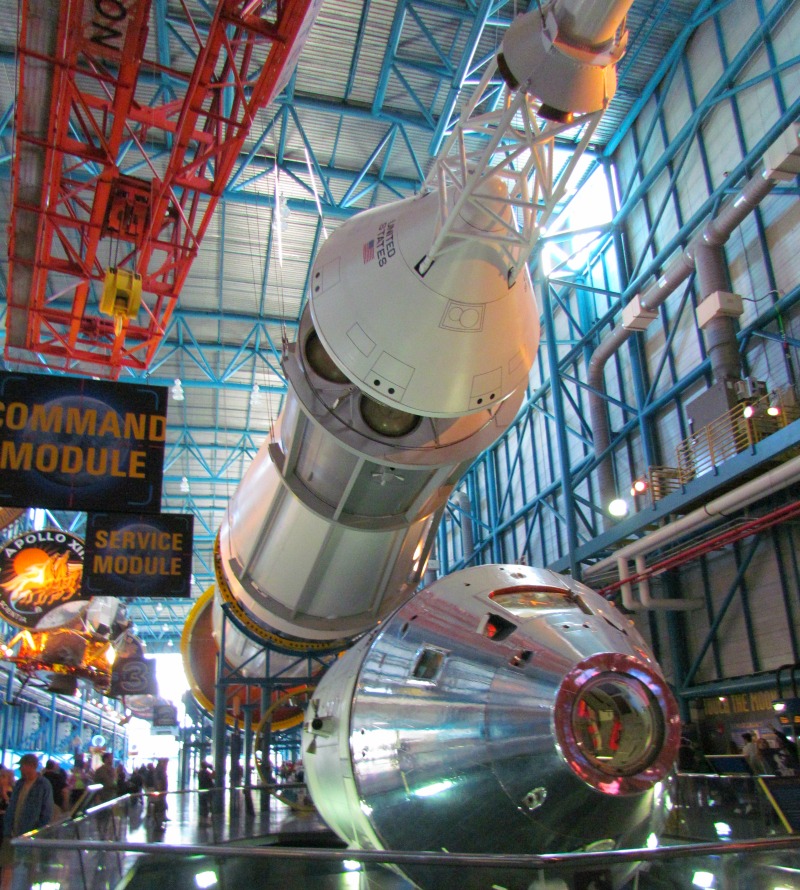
(138, 556)
(68, 443)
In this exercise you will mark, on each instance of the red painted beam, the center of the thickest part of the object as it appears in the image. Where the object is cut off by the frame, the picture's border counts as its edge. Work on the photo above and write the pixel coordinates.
(86, 215)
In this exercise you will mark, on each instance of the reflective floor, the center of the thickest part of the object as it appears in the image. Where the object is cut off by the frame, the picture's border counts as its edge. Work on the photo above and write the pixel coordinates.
(253, 842)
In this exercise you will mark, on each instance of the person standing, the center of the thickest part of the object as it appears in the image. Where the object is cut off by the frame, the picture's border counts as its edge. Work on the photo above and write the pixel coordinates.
(78, 778)
(751, 754)
(158, 795)
(30, 808)
(6, 854)
(31, 803)
(106, 775)
(58, 779)
(205, 782)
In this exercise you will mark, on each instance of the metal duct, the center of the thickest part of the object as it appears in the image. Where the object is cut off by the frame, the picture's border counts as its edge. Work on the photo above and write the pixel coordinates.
(704, 253)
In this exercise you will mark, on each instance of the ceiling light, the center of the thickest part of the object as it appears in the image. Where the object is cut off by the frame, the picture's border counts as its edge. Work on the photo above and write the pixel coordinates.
(177, 390)
(185, 489)
(255, 397)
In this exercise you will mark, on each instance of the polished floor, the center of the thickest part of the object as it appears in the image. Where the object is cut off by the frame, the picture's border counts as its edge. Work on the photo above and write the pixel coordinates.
(288, 846)
(241, 819)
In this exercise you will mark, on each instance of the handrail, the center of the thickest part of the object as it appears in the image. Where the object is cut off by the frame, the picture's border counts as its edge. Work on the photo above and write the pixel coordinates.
(488, 860)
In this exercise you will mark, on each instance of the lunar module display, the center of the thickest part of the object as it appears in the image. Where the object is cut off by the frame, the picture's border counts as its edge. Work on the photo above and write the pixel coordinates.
(502, 709)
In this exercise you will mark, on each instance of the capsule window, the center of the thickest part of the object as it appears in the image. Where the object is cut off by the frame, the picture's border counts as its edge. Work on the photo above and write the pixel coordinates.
(496, 627)
(618, 724)
(428, 665)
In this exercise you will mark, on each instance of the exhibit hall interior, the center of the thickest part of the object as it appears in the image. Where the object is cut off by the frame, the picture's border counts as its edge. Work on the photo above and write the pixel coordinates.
(400, 444)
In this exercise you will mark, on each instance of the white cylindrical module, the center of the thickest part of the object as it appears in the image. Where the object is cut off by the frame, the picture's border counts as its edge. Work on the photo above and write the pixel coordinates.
(454, 340)
(397, 381)
(503, 709)
(564, 57)
(331, 526)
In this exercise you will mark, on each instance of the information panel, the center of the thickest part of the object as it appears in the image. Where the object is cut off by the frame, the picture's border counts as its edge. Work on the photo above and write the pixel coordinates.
(142, 555)
(69, 443)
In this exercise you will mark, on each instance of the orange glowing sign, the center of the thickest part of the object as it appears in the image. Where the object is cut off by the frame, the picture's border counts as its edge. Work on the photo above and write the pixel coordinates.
(40, 578)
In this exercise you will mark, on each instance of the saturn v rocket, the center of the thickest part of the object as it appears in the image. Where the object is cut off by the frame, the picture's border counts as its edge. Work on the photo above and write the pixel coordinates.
(504, 708)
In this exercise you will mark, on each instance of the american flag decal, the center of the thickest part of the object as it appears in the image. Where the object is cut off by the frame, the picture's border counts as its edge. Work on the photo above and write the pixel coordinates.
(369, 251)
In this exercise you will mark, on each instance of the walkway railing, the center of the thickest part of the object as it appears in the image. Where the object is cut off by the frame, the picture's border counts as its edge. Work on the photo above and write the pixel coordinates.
(95, 851)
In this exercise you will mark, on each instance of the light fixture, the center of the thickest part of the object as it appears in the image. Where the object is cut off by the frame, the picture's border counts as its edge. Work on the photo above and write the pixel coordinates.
(177, 390)
(748, 412)
(255, 397)
(185, 489)
(703, 879)
(774, 409)
(618, 507)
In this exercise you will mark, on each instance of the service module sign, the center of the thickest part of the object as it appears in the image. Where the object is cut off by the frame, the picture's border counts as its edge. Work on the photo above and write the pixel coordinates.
(68, 443)
(138, 555)
(40, 579)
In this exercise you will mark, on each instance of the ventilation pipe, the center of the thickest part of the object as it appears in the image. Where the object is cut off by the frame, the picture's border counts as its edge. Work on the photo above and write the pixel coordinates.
(705, 254)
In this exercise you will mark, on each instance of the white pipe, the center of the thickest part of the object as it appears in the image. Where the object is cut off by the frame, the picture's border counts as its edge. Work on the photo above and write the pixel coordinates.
(645, 600)
(768, 483)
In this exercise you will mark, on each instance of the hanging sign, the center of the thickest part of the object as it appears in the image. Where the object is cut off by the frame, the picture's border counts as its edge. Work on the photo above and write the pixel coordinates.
(40, 579)
(138, 555)
(135, 675)
(68, 443)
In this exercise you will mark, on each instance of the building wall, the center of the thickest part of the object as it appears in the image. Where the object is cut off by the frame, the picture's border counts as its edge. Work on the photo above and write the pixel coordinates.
(536, 496)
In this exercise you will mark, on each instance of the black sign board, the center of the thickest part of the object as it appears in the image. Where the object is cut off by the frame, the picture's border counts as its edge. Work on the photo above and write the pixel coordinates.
(69, 443)
(133, 676)
(129, 555)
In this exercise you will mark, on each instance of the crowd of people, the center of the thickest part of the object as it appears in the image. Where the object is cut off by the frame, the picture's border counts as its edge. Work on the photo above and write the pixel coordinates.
(38, 798)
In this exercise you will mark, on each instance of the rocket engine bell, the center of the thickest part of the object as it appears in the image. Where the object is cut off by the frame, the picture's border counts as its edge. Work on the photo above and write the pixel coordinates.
(504, 708)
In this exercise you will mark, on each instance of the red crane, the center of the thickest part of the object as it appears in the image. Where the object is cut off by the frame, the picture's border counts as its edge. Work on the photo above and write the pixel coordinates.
(90, 100)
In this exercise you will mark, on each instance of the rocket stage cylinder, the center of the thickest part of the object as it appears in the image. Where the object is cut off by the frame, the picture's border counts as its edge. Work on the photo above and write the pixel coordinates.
(332, 524)
(244, 659)
(504, 709)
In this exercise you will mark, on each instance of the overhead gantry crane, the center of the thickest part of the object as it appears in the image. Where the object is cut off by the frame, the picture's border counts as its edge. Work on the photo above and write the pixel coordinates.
(120, 159)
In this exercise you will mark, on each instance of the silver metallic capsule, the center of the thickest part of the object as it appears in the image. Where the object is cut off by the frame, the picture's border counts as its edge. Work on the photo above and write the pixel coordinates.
(504, 709)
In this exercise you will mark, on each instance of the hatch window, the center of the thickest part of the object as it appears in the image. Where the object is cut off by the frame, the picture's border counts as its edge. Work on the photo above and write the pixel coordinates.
(527, 601)
(428, 665)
